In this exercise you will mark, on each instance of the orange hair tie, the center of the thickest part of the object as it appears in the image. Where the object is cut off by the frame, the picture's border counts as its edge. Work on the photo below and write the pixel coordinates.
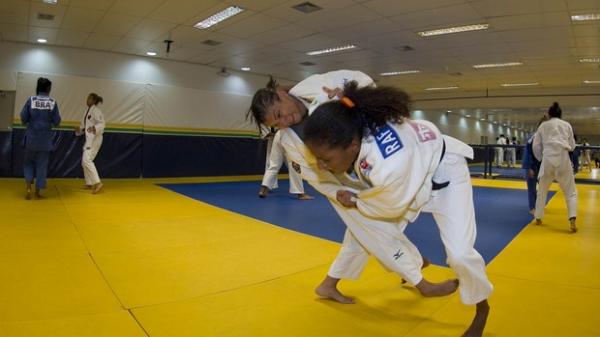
(347, 102)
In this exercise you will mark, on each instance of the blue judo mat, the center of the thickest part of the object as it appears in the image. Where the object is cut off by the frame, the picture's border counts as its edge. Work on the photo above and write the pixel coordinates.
(501, 214)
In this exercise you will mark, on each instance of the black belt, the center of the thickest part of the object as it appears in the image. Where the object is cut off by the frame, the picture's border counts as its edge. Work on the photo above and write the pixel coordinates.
(439, 186)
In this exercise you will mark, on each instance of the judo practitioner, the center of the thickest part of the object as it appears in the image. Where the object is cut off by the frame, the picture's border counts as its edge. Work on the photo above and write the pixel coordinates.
(39, 114)
(92, 127)
(410, 167)
(551, 145)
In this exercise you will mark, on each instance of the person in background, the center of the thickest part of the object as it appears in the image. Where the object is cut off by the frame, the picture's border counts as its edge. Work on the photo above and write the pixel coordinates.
(587, 155)
(500, 151)
(574, 156)
(92, 126)
(39, 114)
(532, 168)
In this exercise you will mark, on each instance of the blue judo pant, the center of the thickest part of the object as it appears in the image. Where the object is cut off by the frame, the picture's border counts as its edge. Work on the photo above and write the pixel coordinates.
(35, 164)
(531, 191)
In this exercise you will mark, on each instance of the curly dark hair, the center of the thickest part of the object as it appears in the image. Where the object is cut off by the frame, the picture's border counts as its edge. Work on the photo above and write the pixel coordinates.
(261, 101)
(336, 125)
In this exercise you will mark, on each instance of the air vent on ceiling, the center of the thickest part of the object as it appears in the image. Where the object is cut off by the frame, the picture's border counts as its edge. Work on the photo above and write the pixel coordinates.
(211, 43)
(405, 48)
(306, 7)
(47, 17)
(307, 63)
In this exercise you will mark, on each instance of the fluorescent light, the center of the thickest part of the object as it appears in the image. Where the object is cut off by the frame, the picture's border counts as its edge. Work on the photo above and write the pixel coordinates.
(246, 68)
(151, 53)
(483, 119)
(451, 30)
(442, 88)
(52, 2)
(216, 18)
(403, 72)
(589, 59)
(591, 82)
(467, 116)
(496, 65)
(330, 50)
(585, 17)
(518, 84)
(42, 40)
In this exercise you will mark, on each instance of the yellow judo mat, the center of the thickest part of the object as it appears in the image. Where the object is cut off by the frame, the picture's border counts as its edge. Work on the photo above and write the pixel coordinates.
(139, 260)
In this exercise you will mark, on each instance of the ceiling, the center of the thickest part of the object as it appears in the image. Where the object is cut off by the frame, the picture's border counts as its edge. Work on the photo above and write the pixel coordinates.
(272, 38)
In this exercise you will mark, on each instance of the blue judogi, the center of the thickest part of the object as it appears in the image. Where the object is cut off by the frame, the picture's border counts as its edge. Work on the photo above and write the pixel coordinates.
(39, 114)
(530, 162)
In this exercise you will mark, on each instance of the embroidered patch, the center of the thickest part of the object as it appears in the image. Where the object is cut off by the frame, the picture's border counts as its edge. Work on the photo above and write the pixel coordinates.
(296, 167)
(424, 132)
(388, 141)
(42, 104)
(365, 167)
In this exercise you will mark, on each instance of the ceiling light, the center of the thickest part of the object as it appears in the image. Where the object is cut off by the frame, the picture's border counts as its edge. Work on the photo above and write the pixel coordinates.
(585, 17)
(589, 59)
(442, 88)
(467, 115)
(246, 68)
(42, 40)
(451, 30)
(518, 84)
(483, 119)
(151, 53)
(216, 18)
(403, 72)
(330, 50)
(52, 2)
(591, 82)
(496, 65)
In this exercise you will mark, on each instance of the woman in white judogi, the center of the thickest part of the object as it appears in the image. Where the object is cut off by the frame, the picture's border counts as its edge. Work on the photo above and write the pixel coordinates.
(385, 240)
(551, 145)
(410, 167)
(92, 126)
(274, 160)
(500, 151)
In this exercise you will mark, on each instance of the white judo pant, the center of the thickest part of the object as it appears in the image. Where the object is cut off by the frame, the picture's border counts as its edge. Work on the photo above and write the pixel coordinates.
(90, 172)
(556, 168)
(454, 213)
(274, 160)
(499, 156)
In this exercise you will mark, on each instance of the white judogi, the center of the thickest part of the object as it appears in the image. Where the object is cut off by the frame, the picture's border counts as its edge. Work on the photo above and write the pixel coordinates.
(384, 239)
(275, 158)
(401, 164)
(551, 145)
(500, 151)
(93, 142)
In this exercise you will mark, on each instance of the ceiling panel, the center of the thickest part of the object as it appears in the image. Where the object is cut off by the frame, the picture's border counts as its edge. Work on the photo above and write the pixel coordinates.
(149, 29)
(71, 38)
(37, 8)
(179, 11)
(14, 11)
(101, 41)
(81, 19)
(136, 7)
(92, 4)
(14, 32)
(252, 26)
(116, 24)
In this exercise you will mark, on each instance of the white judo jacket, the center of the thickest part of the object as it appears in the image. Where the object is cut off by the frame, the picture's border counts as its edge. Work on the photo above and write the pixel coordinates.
(93, 117)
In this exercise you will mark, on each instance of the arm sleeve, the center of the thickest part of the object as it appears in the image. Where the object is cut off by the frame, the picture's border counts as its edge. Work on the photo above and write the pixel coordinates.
(312, 87)
(571, 139)
(55, 116)
(537, 144)
(26, 113)
(100, 124)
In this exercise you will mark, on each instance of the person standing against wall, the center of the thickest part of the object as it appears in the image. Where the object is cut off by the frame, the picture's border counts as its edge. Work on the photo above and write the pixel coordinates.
(553, 141)
(39, 114)
(92, 126)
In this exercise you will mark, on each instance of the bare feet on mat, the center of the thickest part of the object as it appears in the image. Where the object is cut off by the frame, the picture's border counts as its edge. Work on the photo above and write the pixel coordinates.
(87, 187)
(96, 188)
(305, 196)
(264, 190)
(573, 225)
(538, 222)
(333, 293)
(28, 194)
(38, 194)
(478, 324)
(429, 289)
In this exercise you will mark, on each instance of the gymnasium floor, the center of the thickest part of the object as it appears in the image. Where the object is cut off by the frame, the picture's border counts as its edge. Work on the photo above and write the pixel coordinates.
(155, 258)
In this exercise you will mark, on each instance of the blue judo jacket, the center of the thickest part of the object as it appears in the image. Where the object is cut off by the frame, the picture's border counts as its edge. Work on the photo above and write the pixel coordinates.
(39, 114)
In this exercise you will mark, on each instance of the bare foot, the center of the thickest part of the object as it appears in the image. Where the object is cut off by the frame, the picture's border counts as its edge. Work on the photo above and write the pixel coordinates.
(333, 293)
(28, 194)
(573, 225)
(87, 187)
(478, 324)
(305, 196)
(97, 188)
(538, 222)
(429, 289)
(264, 190)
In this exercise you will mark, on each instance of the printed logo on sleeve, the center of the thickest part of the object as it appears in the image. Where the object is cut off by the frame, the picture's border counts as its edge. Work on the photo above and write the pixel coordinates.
(424, 132)
(42, 104)
(388, 141)
(365, 167)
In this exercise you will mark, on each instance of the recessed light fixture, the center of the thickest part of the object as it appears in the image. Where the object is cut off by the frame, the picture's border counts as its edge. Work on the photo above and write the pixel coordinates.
(451, 30)
(591, 82)
(589, 59)
(483, 119)
(442, 88)
(246, 68)
(497, 65)
(42, 40)
(216, 18)
(330, 50)
(585, 17)
(403, 72)
(518, 84)
(51, 2)
(151, 53)
(467, 115)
